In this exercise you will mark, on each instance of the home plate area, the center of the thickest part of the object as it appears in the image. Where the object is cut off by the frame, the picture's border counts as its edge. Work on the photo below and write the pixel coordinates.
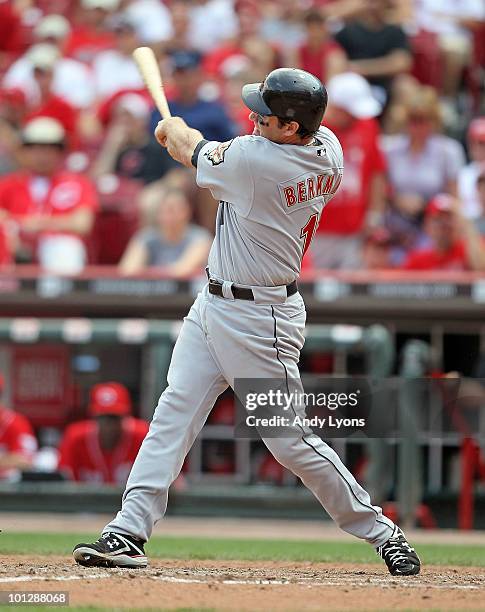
(238, 585)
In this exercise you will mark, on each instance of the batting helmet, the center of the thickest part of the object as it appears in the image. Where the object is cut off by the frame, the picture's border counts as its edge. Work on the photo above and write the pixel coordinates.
(290, 94)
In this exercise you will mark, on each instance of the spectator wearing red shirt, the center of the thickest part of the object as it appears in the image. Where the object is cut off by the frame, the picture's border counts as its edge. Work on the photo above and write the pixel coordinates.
(49, 104)
(103, 448)
(17, 442)
(455, 244)
(54, 209)
(320, 54)
(360, 201)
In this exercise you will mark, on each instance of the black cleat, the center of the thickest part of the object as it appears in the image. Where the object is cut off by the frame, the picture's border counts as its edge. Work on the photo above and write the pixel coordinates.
(111, 550)
(400, 558)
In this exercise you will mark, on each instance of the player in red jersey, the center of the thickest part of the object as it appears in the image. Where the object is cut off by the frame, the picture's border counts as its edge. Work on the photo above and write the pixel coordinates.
(103, 448)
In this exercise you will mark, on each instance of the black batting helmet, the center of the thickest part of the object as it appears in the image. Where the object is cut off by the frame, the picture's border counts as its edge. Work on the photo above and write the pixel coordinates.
(290, 94)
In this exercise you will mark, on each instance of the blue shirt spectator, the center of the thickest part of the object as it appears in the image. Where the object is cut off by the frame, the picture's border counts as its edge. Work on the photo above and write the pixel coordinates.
(209, 117)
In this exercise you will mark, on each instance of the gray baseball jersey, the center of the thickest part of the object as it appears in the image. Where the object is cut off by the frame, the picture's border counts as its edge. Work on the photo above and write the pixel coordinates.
(271, 199)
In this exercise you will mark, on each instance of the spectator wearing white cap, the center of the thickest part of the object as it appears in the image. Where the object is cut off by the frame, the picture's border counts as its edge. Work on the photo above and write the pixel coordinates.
(360, 202)
(128, 150)
(115, 69)
(54, 209)
(72, 80)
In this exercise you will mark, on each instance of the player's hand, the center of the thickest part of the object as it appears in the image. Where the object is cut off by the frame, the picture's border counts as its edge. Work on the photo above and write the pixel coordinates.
(170, 128)
(178, 138)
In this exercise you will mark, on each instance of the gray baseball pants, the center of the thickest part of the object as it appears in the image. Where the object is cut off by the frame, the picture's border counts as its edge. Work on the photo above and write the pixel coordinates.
(222, 339)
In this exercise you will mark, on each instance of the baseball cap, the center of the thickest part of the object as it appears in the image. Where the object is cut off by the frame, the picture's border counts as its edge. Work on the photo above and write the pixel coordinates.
(109, 398)
(106, 5)
(185, 60)
(135, 104)
(441, 203)
(352, 93)
(476, 129)
(43, 130)
(52, 26)
(43, 56)
(380, 236)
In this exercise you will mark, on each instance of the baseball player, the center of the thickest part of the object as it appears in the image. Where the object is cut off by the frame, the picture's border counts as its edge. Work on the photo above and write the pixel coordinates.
(249, 319)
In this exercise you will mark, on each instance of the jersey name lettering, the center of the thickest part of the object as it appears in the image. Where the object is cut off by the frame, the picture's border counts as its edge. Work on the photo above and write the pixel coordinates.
(310, 188)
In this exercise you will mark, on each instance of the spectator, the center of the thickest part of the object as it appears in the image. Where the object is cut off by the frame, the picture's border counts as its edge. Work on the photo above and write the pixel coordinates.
(360, 201)
(209, 117)
(115, 69)
(71, 81)
(245, 50)
(377, 49)
(91, 36)
(455, 244)
(175, 244)
(422, 162)
(128, 150)
(234, 104)
(103, 448)
(211, 23)
(453, 22)
(152, 20)
(282, 24)
(17, 443)
(48, 103)
(319, 53)
(467, 176)
(54, 209)
(180, 39)
(376, 250)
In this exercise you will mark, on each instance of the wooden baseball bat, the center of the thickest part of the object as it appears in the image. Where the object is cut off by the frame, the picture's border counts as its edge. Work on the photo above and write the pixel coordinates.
(150, 71)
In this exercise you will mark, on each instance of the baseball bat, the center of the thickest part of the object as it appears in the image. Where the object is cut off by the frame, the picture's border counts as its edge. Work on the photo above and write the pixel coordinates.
(150, 71)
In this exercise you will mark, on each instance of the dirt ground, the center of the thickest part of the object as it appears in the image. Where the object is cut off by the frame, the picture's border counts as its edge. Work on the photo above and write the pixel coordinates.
(237, 585)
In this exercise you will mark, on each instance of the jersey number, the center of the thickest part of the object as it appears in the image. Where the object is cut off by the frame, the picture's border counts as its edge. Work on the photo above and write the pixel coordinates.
(308, 231)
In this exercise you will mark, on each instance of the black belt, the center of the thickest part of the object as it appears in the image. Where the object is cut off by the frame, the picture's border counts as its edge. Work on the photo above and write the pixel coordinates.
(243, 293)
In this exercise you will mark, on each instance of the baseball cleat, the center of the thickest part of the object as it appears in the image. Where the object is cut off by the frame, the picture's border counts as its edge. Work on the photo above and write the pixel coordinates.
(401, 559)
(111, 550)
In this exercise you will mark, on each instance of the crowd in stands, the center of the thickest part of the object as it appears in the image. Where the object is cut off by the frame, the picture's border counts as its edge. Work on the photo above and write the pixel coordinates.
(82, 180)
